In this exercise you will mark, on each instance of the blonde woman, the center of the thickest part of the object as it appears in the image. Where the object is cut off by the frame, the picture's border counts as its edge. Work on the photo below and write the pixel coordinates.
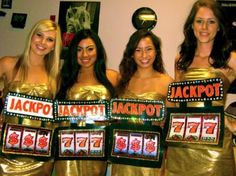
(33, 73)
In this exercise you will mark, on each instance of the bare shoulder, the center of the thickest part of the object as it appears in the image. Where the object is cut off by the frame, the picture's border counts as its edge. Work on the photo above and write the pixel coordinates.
(166, 78)
(7, 64)
(112, 73)
(8, 60)
(162, 81)
(113, 76)
(232, 59)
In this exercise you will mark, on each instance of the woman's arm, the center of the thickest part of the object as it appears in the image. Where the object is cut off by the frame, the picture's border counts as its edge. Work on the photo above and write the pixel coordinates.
(7, 64)
(230, 123)
(232, 63)
(113, 76)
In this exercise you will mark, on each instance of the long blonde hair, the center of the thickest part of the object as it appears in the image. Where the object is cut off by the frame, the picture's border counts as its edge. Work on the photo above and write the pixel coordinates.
(52, 59)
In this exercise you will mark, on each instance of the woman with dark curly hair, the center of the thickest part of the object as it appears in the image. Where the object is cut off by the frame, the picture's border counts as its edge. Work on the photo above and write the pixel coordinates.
(205, 53)
(80, 60)
(142, 76)
(84, 76)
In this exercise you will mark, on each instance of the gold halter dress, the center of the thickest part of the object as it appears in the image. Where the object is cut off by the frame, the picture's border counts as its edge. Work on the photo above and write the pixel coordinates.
(207, 161)
(83, 167)
(128, 170)
(22, 165)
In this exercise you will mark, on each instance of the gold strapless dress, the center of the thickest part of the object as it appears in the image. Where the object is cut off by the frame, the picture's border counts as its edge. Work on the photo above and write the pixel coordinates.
(207, 161)
(230, 112)
(83, 167)
(20, 165)
(128, 170)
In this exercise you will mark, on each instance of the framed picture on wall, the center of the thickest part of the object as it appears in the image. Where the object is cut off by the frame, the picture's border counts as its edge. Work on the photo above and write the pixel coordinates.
(74, 16)
(18, 20)
(6, 4)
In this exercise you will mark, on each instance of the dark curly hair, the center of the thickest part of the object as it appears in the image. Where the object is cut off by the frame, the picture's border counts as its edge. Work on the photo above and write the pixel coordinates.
(221, 47)
(128, 66)
(71, 67)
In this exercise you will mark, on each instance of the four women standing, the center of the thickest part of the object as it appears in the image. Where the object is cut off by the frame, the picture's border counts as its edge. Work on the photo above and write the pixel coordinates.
(205, 53)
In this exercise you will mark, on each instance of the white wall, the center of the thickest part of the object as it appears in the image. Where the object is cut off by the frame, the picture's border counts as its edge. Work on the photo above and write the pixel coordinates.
(115, 25)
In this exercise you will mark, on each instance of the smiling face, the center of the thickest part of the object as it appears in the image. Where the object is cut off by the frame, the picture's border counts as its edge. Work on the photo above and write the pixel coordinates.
(86, 53)
(205, 26)
(145, 53)
(43, 43)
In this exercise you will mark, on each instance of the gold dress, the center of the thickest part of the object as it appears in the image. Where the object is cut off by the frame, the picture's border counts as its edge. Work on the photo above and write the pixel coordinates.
(230, 112)
(83, 167)
(22, 165)
(207, 161)
(128, 170)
